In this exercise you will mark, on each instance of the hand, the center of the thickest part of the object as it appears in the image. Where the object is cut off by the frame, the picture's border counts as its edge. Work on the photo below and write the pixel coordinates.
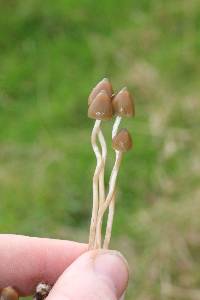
(75, 273)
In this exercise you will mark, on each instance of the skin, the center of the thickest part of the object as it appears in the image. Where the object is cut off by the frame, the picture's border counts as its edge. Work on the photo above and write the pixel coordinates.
(75, 272)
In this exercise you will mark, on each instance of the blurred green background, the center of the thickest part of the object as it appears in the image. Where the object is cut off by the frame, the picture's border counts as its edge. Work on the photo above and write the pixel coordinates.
(51, 54)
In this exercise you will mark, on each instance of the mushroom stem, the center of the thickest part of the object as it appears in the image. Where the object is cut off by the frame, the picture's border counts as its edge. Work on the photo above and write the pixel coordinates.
(101, 175)
(95, 207)
(112, 204)
(116, 126)
(109, 222)
(112, 186)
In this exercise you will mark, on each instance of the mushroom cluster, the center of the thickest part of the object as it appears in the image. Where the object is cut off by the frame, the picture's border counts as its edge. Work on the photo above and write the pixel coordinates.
(104, 105)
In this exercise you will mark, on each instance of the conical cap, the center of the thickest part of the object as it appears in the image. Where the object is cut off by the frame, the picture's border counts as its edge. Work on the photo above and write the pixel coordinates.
(105, 85)
(122, 141)
(101, 107)
(123, 105)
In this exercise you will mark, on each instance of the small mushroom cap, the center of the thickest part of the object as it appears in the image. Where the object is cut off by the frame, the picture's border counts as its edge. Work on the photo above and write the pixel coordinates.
(105, 85)
(9, 293)
(122, 141)
(123, 105)
(101, 107)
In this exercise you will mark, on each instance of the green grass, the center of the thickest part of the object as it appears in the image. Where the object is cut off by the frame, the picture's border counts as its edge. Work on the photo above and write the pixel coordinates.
(51, 55)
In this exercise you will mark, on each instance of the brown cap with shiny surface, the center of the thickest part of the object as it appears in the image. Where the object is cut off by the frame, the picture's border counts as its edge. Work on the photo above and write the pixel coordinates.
(122, 141)
(101, 107)
(123, 105)
(9, 293)
(105, 85)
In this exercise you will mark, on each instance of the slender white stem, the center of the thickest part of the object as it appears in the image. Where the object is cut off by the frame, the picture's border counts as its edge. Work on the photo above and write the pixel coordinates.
(116, 126)
(112, 203)
(109, 225)
(112, 186)
(101, 176)
(95, 132)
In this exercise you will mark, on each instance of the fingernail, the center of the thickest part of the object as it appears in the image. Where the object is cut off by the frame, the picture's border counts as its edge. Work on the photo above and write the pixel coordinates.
(114, 268)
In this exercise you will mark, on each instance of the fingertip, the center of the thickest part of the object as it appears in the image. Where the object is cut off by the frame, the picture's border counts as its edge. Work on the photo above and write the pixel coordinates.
(94, 275)
(113, 266)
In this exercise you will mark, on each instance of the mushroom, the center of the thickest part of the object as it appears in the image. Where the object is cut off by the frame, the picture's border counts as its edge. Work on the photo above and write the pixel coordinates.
(123, 106)
(104, 85)
(99, 109)
(9, 293)
(122, 142)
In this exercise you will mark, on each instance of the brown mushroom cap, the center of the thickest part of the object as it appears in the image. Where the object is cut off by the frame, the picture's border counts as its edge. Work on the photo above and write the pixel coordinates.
(9, 293)
(123, 105)
(122, 141)
(101, 107)
(105, 85)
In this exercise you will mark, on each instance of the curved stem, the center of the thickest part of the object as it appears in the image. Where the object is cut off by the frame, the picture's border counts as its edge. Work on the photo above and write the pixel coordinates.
(95, 132)
(109, 222)
(112, 186)
(112, 203)
(116, 126)
(101, 175)
(101, 178)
